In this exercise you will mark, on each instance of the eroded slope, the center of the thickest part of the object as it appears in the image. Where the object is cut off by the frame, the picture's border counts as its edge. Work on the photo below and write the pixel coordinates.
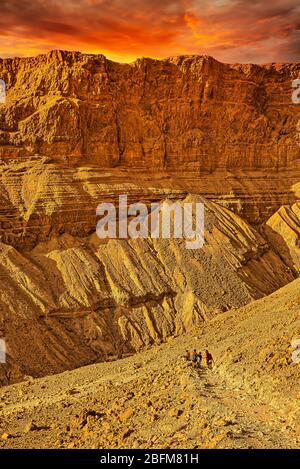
(156, 400)
(72, 301)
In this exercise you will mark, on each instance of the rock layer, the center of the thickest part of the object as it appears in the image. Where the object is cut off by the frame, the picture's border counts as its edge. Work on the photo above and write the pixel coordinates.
(192, 111)
(72, 301)
(181, 118)
(283, 232)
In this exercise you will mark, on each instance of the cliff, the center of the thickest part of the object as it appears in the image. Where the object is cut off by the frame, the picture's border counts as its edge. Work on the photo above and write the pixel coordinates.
(182, 113)
(183, 125)
(77, 130)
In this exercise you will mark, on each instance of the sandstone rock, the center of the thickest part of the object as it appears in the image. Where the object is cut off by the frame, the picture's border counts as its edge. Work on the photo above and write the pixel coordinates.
(29, 427)
(153, 417)
(283, 232)
(175, 412)
(73, 391)
(250, 267)
(147, 130)
(130, 395)
(126, 415)
(126, 433)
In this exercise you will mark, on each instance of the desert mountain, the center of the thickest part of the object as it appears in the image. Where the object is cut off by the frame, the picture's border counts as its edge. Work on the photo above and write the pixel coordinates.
(77, 130)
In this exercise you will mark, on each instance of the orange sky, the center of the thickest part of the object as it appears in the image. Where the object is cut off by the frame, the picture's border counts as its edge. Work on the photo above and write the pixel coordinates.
(230, 30)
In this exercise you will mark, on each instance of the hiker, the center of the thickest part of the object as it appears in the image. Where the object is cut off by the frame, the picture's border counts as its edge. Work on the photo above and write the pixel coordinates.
(187, 355)
(194, 357)
(209, 359)
(199, 359)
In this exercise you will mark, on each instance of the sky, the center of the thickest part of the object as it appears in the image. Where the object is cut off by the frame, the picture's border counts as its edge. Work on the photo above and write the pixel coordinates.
(256, 31)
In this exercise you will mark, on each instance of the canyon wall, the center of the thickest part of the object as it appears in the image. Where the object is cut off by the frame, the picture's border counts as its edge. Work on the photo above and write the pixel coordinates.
(182, 113)
(78, 129)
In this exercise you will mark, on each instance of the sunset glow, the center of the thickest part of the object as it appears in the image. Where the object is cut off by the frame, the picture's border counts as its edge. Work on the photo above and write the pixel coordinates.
(229, 30)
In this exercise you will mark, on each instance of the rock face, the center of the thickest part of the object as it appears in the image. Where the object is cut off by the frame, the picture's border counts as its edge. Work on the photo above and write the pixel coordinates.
(179, 113)
(70, 301)
(77, 130)
(184, 117)
(283, 232)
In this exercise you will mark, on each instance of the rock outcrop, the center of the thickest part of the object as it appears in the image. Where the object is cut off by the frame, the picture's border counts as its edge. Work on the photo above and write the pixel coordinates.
(283, 232)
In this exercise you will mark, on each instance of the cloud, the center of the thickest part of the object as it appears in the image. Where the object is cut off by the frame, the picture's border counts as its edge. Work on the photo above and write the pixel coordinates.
(230, 30)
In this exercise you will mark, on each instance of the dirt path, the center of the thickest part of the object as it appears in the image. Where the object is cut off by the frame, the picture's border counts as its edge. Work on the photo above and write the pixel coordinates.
(247, 423)
(154, 399)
